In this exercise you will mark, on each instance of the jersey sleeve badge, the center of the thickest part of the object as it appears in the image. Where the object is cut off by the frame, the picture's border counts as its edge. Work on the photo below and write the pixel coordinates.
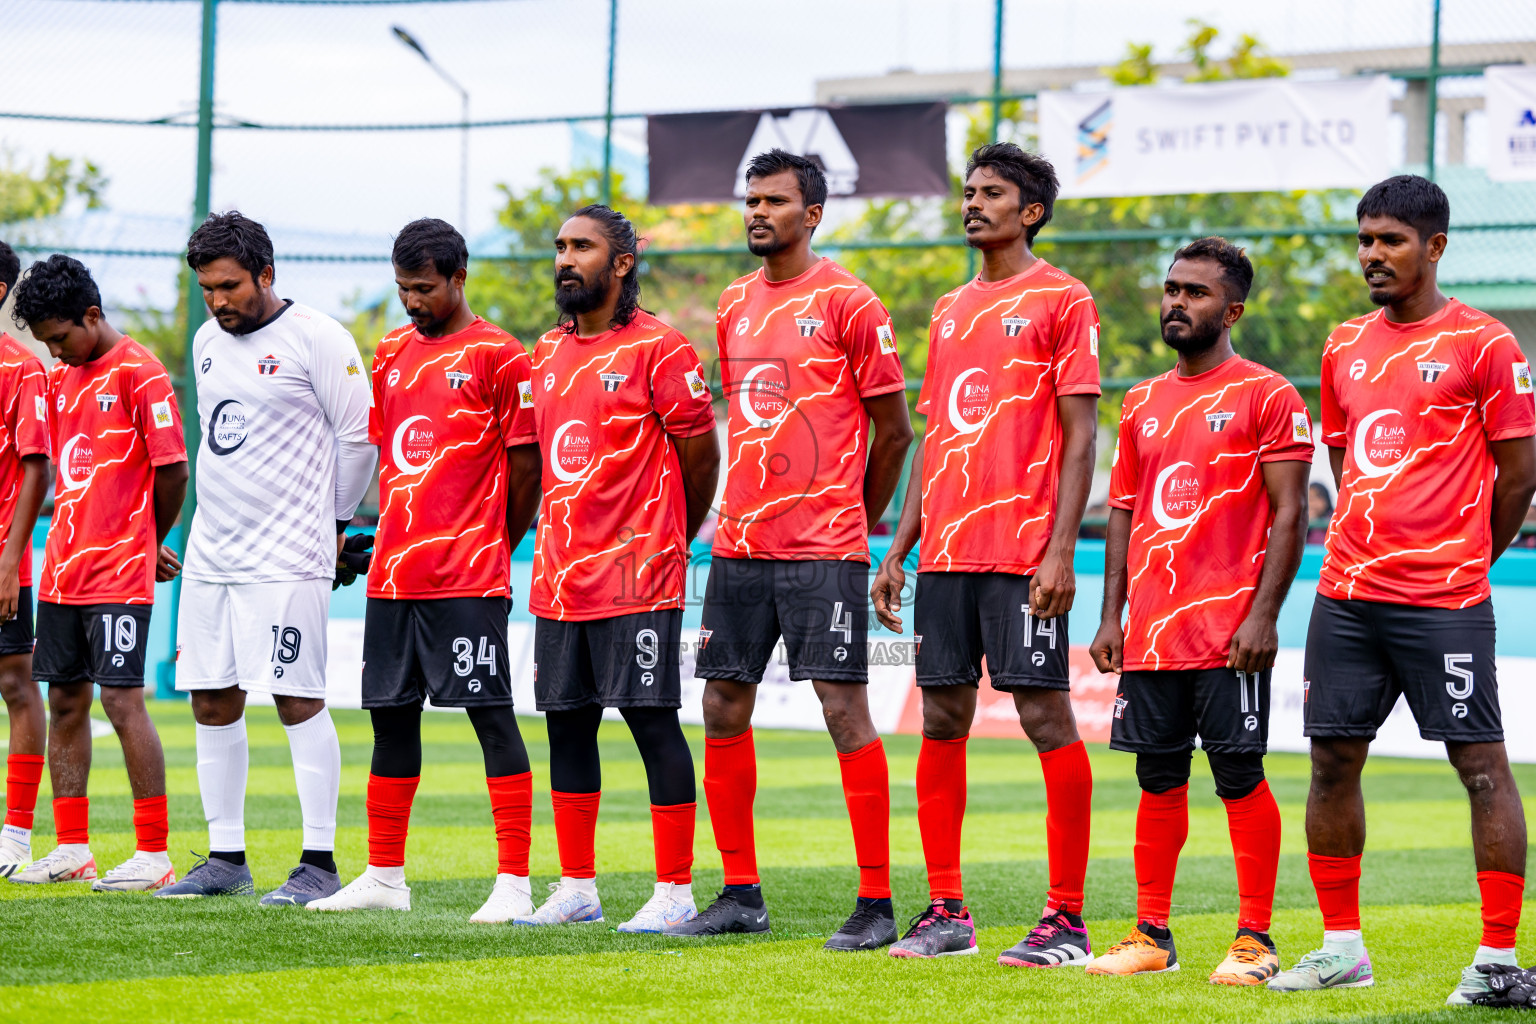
(525, 394)
(1093, 339)
(162, 413)
(352, 368)
(1301, 427)
(40, 408)
(1522, 378)
(887, 338)
(698, 389)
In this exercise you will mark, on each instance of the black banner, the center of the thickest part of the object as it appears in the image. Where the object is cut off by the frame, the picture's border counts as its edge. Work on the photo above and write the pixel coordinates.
(875, 150)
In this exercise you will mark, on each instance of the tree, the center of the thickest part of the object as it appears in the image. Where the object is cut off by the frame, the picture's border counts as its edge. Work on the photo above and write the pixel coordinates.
(1248, 59)
(26, 194)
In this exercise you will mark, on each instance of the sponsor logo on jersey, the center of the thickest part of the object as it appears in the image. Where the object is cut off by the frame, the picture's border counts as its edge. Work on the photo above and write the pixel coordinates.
(414, 444)
(207, 363)
(549, 382)
(970, 399)
(392, 378)
(1149, 426)
(1381, 442)
(742, 325)
(352, 368)
(1522, 373)
(1430, 371)
(808, 325)
(948, 329)
(887, 338)
(1218, 421)
(763, 395)
(525, 394)
(1301, 427)
(611, 381)
(1093, 339)
(162, 414)
(1014, 325)
(570, 451)
(40, 408)
(696, 386)
(75, 462)
(267, 365)
(226, 427)
(1357, 369)
(457, 378)
(105, 401)
(1176, 496)
(59, 402)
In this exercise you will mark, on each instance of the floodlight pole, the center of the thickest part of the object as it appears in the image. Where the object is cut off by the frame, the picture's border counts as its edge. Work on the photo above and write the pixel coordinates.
(1432, 94)
(997, 69)
(411, 42)
(165, 681)
(613, 38)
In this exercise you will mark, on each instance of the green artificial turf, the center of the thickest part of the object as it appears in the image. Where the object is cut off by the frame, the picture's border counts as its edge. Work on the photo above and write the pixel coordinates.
(70, 955)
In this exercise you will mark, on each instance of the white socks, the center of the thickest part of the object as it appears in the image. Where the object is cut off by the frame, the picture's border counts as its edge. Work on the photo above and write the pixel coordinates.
(223, 762)
(1350, 942)
(389, 876)
(317, 771)
(1491, 955)
(588, 886)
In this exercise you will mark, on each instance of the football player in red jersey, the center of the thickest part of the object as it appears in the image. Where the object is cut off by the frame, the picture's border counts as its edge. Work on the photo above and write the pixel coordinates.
(627, 434)
(122, 474)
(1010, 394)
(23, 480)
(808, 363)
(1206, 528)
(458, 488)
(1428, 417)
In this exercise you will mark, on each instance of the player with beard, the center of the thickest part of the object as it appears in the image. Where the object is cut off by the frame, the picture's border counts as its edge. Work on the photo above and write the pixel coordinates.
(23, 482)
(459, 485)
(1010, 393)
(624, 423)
(122, 475)
(1206, 527)
(284, 461)
(808, 363)
(1428, 417)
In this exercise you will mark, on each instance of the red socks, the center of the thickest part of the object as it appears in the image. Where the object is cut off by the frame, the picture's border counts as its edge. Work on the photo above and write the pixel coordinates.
(941, 812)
(1337, 881)
(22, 775)
(1162, 825)
(867, 791)
(730, 786)
(576, 832)
(1254, 824)
(1068, 816)
(150, 824)
(72, 820)
(512, 811)
(1502, 892)
(672, 837)
(389, 817)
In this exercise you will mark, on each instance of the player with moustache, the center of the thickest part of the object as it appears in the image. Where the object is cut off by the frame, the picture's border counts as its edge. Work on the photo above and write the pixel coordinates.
(1011, 393)
(808, 364)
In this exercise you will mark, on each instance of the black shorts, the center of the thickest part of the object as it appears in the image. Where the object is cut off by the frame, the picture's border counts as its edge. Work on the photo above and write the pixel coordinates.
(1362, 654)
(961, 616)
(820, 607)
(16, 635)
(1162, 712)
(452, 649)
(96, 643)
(628, 661)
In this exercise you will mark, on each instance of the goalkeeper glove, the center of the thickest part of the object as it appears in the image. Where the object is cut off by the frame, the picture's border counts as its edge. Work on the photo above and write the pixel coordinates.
(356, 555)
(1510, 986)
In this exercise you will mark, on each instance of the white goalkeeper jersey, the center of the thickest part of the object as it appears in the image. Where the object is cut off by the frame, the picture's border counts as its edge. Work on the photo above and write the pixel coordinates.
(273, 406)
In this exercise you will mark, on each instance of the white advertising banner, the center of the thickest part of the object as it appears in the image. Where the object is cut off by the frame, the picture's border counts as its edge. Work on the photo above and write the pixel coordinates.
(1510, 104)
(1263, 135)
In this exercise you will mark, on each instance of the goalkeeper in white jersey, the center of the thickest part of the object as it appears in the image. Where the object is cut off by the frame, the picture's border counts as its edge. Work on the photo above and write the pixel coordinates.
(283, 400)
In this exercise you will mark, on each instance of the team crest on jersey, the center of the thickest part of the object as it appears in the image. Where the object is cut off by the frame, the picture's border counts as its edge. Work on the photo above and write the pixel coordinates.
(1522, 378)
(611, 381)
(808, 325)
(1218, 421)
(456, 378)
(525, 394)
(352, 368)
(267, 365)
(696, 386)
(887, 338)
(105, 401)
(1430, 371)
(1301, 427)
(704, 635)
(1013, 326)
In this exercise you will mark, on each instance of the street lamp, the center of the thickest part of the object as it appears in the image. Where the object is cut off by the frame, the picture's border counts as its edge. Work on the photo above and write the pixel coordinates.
(410, 41)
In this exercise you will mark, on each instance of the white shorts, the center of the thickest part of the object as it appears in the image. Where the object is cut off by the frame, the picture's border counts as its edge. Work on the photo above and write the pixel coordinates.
(262, 637)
